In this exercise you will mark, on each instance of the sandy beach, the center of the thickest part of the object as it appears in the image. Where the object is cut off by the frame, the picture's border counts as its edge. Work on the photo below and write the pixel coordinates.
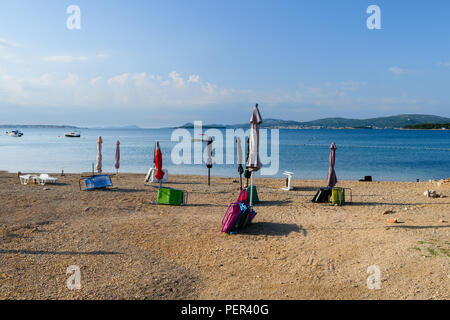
(128, 248)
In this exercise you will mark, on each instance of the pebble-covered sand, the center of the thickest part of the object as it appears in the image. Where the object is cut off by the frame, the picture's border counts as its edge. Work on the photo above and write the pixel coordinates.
(128, 248)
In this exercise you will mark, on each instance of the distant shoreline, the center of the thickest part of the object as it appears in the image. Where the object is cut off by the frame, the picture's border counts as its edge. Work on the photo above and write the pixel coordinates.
(39, 126)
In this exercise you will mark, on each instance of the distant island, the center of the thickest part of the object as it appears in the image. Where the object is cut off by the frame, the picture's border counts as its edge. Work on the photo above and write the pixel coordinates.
(392, 122)
(403, 121)
(428, 126)
(38, 126)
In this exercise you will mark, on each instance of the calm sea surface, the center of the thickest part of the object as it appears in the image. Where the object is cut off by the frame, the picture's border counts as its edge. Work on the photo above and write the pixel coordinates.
(384, 154)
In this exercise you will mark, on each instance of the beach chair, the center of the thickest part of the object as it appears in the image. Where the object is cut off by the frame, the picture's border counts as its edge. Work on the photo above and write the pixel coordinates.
(323, 195)
(150, 177)
(338, 196)
(288, 175)
(96, 182)
(29, 179)
(45, 178)
(335, 195)
(171, 196)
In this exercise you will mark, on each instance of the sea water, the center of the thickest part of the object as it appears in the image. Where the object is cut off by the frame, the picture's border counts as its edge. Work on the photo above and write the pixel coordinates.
(397, 155)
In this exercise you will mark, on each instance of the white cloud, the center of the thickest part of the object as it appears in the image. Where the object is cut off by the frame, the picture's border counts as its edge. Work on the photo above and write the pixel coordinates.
(445, 64)
(71, 58)
(93, 81)
(8, 44)
(153, 92)
(209, 88)
(177, 80)
(141, 79)
(71, 80)
(119, 79)
(65, 59)
(193, 78)
(102, 56)
(397, 70)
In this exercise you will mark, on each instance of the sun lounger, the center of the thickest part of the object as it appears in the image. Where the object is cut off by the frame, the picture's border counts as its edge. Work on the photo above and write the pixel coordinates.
(29, 179)
(45, 178)
(96, 182)
(150, 177)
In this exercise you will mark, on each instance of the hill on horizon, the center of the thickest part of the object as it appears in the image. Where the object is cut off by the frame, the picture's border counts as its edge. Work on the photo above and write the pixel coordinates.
(389, 122)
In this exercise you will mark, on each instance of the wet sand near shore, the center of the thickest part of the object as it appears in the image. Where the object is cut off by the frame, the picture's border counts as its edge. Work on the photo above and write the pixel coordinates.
(128, 248)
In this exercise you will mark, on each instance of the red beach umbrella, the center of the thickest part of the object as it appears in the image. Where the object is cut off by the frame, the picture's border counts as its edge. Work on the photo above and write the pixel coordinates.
(159, 174)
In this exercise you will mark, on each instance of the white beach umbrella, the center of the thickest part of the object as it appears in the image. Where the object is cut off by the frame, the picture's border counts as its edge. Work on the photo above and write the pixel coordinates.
(99, 155)
(253, 161)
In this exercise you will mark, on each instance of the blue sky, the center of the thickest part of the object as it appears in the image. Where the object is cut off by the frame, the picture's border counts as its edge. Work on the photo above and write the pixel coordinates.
(157, 63)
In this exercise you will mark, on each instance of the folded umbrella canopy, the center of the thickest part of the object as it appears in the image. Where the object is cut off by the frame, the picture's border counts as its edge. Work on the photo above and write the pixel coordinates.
(332, 179)
(159, 174)
(240, 159)
(209, 165)
(117, 162)
(99, 155)
(253, 161)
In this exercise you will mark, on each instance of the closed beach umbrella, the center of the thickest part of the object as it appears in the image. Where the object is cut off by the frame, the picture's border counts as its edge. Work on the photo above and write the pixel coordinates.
(209, 142)
(159, 174)
(117, 162)
(240, 159)
(247, 172)
(253, 161)
(332, 179)
(99, 155)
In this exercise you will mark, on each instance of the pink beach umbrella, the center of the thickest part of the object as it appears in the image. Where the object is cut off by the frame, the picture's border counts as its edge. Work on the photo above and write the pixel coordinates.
(332, 179)
(99, 155)
(117, 162)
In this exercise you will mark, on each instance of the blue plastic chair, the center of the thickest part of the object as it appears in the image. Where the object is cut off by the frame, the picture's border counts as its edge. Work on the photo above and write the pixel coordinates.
(97, 182)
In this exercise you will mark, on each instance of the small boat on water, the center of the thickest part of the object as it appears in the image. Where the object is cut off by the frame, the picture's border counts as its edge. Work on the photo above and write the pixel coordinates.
(72, 134)
(15, 133)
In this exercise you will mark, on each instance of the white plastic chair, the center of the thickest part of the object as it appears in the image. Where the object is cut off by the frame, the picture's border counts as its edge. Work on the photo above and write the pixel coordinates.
(288, 181)
(45, 178)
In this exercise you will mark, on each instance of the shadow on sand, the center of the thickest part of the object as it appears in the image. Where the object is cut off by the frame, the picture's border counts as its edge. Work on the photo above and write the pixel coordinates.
(272, 229)
(420, 227)
(273, 203)
(57, 253)
(391, 204)
(305, 189)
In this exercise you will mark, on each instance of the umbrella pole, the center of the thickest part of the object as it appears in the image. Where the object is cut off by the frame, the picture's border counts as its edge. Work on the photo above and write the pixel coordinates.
(251, 188)
(209, 176)
(240, 179)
